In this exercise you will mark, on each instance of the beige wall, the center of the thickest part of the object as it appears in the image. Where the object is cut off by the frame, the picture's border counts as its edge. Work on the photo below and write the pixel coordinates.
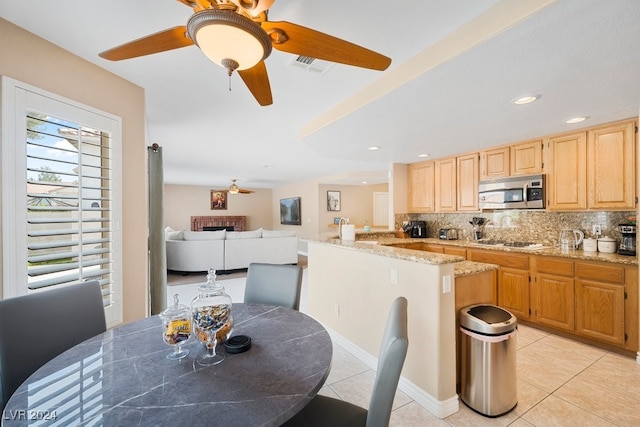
(181, 202)
(356, 204)
(30, 59)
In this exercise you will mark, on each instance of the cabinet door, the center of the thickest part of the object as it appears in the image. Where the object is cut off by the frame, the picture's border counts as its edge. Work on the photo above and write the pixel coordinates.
(526, 158)
(567, 172)
(611, 167)
(455, 250)
(555, 303)
(468, 181)
(600, 309)
(446, 185)
(513, 291)
(495, 163)
(421, 187)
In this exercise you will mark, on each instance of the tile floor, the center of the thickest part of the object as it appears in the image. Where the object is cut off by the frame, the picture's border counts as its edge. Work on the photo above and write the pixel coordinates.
(560, 382)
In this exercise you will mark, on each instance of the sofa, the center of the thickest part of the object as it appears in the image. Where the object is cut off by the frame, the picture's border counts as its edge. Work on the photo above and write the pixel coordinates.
(196, 251)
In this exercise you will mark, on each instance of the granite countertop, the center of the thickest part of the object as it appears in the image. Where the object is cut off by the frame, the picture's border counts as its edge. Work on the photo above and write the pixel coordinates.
(544, 251)
(371, 246)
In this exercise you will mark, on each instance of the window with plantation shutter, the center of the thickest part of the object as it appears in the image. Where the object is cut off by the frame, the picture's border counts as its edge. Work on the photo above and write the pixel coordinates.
(64, 193)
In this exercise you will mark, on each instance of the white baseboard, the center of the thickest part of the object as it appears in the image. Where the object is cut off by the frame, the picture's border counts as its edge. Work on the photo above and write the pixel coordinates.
(439, 408)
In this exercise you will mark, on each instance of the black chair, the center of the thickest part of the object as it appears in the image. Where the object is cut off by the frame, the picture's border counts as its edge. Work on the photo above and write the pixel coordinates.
(35, 328)
(275, 284)
(326, 411)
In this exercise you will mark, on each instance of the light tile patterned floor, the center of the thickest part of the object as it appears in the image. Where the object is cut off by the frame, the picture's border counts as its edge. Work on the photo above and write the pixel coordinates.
(560, 382)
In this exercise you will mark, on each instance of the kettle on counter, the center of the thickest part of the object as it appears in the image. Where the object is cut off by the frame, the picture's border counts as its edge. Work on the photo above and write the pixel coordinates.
(570, 239)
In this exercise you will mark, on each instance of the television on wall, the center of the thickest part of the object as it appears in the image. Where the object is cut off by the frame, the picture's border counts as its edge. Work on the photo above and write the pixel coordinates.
(290, 212)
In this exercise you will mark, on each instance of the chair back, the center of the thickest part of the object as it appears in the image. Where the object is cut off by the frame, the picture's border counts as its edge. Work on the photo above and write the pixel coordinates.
(393, 351)
(37, 327)
(274, 284)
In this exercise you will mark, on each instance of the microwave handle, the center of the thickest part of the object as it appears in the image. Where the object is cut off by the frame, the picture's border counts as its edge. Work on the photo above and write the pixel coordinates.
(524, 192)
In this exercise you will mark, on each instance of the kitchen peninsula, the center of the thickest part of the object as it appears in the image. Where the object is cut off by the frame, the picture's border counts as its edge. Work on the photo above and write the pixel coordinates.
(352, 285)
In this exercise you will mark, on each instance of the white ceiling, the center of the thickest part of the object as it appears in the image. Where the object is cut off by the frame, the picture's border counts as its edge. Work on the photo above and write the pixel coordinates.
(456, 66)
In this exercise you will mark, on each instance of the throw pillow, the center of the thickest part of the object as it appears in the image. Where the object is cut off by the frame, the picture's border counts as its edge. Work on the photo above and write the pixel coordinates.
(235, 235)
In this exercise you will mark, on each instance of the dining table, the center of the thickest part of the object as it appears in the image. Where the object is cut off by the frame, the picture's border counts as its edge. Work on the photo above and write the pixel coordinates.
(122, 377)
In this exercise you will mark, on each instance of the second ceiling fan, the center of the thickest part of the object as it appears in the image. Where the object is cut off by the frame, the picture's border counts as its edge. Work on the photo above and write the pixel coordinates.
(237, 35)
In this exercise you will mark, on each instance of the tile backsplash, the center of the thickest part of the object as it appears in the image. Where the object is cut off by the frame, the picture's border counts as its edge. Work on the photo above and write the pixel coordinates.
(521, 225)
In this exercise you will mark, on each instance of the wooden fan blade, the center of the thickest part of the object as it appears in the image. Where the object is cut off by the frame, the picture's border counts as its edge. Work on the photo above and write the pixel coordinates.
(173, 38)
(257, 81)
(293, 38)
(244, 191)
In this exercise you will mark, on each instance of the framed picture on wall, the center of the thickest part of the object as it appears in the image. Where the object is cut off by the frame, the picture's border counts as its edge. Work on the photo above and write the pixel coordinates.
(218, 200)
(333, 200)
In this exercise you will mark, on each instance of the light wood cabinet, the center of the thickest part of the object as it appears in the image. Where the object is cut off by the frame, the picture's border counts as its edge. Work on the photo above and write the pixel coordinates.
(553, 293)
(421, 177)
(468, 180)
(526, 158)
(566, 158)
(495, 163)
(611, 166)
(593, 169)
(446, 186)
(513, 279)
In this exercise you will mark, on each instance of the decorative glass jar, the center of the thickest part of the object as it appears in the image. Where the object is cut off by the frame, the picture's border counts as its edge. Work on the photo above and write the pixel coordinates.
(176, 328)
(211, 312)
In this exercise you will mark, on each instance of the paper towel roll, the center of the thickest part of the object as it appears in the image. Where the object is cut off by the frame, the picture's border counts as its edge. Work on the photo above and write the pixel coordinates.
(348, 232)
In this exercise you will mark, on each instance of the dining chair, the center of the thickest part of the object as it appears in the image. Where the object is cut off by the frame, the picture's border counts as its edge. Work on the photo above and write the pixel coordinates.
(327, 411)
(275, 284)
(35, 328)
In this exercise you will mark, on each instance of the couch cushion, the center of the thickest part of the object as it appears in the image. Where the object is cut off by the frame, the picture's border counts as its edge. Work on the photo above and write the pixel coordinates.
(171, 234)
(205, 235)
(236, 235)
(266, 234)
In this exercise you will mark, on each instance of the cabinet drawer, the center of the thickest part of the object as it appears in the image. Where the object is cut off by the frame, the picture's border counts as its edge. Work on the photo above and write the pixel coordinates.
(502, 259)
(555, 266)
(454, 250)
(431, 248)
(601, 272)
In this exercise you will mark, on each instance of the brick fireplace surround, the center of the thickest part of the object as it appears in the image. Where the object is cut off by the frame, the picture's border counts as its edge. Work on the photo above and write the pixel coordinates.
(239, 223)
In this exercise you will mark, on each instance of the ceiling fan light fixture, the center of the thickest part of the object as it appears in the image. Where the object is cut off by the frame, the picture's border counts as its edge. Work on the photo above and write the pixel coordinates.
(227, 38)
(234, 189)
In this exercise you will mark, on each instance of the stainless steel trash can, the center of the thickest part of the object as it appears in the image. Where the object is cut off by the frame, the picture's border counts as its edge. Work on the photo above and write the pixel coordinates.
(488, 359)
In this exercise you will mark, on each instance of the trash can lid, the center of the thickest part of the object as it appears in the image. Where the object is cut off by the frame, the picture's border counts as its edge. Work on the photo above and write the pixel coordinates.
(487, 319)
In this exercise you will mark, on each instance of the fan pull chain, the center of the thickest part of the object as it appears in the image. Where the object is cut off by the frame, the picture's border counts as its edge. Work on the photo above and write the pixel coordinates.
(229, 82)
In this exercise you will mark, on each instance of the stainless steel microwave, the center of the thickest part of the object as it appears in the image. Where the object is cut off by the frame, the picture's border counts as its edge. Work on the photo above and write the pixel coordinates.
(522, 192)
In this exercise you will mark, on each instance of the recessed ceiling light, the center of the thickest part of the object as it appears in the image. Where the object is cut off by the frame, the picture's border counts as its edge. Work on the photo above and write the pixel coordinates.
(364, 182)
(423, 155)
(526, 99)
(374, 148)
(576, 120)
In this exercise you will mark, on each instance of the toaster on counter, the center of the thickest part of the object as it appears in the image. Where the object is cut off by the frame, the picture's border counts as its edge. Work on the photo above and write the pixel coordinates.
(448, 234)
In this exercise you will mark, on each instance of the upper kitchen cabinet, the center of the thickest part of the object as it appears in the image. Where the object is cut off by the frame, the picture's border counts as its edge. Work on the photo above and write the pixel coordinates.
(592, 169)
(421, 187)
(495, 163)
(566, 160)
(611, 166)
(446, 186)
(468, 178)
(526, 158)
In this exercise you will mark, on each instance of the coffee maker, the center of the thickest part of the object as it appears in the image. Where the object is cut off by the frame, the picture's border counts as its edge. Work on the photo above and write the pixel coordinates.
(628, 243)
(418, 229)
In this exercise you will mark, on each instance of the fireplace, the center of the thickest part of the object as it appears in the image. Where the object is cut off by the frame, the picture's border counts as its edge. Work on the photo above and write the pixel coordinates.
(218, 228)
(239, 223)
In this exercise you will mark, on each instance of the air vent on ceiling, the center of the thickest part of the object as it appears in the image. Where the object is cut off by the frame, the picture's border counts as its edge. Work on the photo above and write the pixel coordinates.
(313, 65)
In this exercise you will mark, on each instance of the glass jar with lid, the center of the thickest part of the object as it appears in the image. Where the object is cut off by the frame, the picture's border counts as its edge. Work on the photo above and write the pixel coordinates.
(176, 328)
(211, 312)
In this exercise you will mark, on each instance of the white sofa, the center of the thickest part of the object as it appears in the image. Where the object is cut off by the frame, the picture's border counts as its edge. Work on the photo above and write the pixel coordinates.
(195, 251)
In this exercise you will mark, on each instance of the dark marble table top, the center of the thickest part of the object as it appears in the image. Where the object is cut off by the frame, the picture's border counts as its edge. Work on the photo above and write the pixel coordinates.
(122, 377)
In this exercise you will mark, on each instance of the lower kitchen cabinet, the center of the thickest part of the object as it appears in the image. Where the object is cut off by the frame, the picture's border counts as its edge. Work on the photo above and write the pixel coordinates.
(600, 310)
(513, 291)
(553, 293)
(596, 301)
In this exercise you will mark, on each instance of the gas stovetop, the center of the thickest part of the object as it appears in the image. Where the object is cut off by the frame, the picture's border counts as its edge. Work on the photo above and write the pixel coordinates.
(511, 244)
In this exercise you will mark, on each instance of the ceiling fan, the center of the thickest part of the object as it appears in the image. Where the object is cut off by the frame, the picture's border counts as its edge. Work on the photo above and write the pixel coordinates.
(234, 189)
(237, 35)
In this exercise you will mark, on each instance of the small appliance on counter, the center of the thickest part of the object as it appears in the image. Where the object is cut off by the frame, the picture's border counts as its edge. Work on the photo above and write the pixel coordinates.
(628, 243)
(477, 223)
(418, 229)
(448, 234)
